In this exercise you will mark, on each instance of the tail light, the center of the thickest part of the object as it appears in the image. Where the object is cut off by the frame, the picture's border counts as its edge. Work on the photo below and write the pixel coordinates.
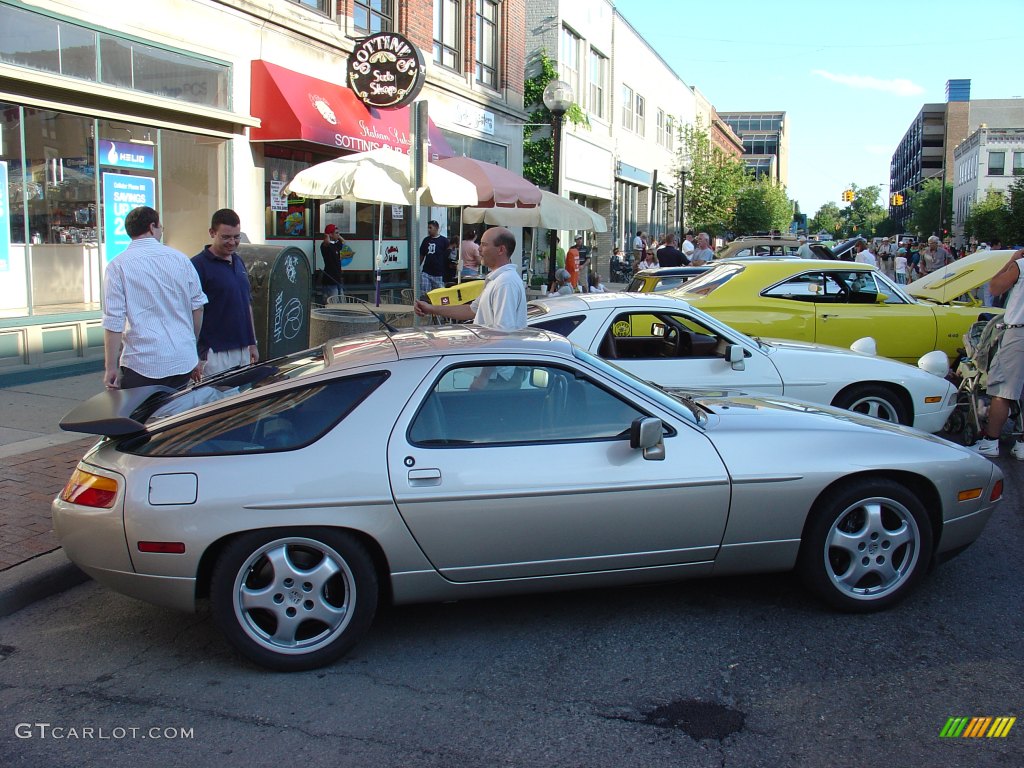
(89, 490)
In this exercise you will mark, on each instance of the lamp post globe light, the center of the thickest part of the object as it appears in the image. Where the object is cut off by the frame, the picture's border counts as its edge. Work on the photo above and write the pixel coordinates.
(558, 97)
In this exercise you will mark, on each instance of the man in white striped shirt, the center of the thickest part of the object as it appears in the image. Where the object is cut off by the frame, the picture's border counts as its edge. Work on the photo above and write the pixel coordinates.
(153, 304)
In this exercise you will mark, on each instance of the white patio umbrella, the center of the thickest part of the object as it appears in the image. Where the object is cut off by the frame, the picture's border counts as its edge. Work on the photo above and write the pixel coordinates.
(380, 176)
(554, 212)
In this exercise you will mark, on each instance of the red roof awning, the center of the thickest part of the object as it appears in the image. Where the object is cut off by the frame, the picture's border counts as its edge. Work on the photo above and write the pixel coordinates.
(296, 107)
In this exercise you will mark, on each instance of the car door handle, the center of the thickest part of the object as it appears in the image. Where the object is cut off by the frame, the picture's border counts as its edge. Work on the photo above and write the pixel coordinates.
(424, 477)
(826, 316)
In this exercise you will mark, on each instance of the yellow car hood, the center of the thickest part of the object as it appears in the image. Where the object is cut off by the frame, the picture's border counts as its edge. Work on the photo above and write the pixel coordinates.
(960, 277)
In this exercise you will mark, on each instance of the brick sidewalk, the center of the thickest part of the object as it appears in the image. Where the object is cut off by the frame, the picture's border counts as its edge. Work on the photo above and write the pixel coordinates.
(28, 483)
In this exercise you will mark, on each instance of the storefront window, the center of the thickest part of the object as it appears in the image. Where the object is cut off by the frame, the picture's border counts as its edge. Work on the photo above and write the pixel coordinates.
(36, 41)
(194, 183)
(68, 189)
(63, 260)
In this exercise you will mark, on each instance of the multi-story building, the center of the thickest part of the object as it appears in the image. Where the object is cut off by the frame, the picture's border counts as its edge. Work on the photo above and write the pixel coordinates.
(720, 133)
(765, 142)
(194, 105)
(988, 159)
(926, 150)
(623, 163)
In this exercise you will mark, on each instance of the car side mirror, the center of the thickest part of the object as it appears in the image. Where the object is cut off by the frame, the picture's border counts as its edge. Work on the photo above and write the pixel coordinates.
(648, 434)
(734, 356)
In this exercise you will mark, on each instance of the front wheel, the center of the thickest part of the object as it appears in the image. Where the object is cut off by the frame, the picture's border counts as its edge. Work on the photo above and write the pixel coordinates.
(867, 547)
(874, 400)
(295, 599)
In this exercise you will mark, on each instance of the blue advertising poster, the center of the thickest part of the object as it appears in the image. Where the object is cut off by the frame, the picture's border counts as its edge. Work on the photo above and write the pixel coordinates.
(125, 154)
(5, 220)
(120, 194)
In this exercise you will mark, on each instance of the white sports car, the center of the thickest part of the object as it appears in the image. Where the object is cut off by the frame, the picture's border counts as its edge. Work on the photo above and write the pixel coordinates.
(669, 342)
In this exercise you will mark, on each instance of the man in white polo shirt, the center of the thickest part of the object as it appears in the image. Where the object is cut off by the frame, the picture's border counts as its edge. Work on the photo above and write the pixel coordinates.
(502, 305)
(153, 304)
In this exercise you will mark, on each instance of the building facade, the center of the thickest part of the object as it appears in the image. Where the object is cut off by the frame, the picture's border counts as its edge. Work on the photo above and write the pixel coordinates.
(765, 142)
(105, 108)
(988, 159)
(623, 161)
(927, 148)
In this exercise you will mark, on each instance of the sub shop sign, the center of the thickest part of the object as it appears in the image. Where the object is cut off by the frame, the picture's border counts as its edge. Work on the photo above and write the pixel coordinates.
(386, 71)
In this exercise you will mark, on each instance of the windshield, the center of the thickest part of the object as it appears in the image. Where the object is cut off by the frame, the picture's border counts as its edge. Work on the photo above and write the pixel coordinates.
(235, 382)
(709, 281)
(677, 404)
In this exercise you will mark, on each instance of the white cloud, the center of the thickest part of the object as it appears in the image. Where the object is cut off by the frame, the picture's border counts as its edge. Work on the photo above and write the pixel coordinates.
(864, 82)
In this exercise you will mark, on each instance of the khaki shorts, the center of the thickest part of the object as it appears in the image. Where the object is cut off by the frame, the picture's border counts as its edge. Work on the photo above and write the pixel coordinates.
(1006, 374)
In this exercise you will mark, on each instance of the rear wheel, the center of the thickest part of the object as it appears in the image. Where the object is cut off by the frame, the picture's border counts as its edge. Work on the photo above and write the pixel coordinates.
(874, 400)
(294, 599)
(866, 547)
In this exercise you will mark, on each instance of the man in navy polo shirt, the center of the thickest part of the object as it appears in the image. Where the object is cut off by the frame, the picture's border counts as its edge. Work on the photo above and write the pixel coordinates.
(228, 336)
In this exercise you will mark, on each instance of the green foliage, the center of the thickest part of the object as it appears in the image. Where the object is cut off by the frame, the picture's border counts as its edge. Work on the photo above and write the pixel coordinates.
(1013, 233)
(987, 219)
(538, 159)
(762, 207)
(828, 218)
(714, 181)
(924, 207)
(865, 213)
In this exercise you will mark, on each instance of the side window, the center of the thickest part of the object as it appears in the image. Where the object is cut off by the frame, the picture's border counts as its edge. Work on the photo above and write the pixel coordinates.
(563, 326)
(642, 336)
(283, 421)
(806, 287)
(509, 405)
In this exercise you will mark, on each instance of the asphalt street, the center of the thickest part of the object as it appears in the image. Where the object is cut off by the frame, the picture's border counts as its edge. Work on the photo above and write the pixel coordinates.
(728, 672)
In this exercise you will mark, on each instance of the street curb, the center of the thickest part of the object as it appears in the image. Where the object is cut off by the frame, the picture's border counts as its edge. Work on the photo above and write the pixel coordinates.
(37, 579)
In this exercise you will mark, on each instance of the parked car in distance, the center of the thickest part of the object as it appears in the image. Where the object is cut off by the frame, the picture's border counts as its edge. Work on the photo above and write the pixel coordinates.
(665, 340)
(458, 462)
(663, 278)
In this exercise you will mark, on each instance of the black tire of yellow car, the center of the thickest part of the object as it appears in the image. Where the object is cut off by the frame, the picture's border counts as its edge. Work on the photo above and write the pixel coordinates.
(858, 530)
(864, 398)
(356, 588)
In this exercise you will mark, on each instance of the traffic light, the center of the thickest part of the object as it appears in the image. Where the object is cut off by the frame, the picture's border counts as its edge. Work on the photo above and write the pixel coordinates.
(847, 195)
(896, 199)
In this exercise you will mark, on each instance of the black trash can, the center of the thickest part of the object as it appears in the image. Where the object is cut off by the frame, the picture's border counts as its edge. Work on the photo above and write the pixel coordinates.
(282, 289)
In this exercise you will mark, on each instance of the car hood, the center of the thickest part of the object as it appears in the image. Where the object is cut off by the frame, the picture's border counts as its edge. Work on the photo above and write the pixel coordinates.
(733, 410)
(960, 277)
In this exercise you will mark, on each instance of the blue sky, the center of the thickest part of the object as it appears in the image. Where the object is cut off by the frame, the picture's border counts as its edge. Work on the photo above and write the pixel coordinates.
(850, 75)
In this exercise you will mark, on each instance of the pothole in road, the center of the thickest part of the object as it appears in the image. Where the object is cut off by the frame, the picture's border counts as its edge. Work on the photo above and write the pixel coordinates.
(698, 719)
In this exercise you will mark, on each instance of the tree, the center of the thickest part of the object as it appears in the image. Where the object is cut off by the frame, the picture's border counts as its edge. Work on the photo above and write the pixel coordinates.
(538, 160)
(987, 219)
(714, 181)
(1013, 234)
(762, 207)
(828, 218)
(924, 207)
(864, 214)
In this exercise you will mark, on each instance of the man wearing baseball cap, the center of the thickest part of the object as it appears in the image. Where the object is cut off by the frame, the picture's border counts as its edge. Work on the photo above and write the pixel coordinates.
(330, 250)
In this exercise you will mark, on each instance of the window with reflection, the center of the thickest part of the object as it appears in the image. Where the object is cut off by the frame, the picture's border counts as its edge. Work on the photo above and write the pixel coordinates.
(487, 43)
(372, 16)
(448, 33)
(32, 40)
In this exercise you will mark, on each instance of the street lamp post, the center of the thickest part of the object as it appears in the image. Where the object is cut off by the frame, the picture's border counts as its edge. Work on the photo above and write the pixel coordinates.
(684, 169)
(558, 97)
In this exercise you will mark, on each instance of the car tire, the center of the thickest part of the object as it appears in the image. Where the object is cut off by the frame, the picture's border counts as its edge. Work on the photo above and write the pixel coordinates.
(874, 400)
(294, 599)
(866, 546)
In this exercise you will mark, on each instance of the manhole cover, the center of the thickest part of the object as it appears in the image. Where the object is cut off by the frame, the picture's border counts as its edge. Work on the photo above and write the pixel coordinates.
(698, 719)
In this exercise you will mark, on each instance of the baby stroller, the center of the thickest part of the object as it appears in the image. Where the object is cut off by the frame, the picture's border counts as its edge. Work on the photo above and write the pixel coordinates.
(981, 343)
